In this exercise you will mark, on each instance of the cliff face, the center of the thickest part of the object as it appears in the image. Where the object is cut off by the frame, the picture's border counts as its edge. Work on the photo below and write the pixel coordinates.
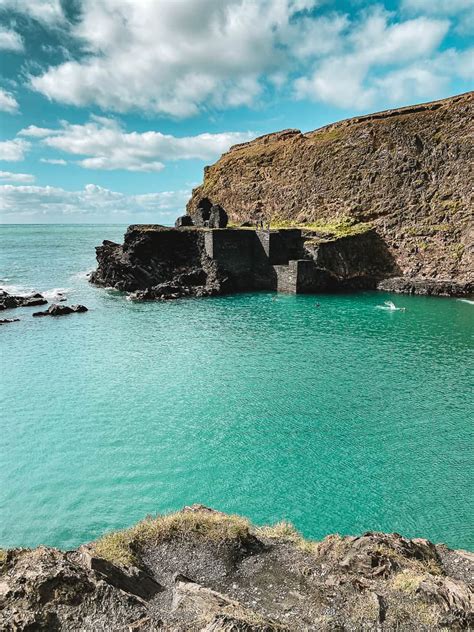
(202, 570)
(408, 172)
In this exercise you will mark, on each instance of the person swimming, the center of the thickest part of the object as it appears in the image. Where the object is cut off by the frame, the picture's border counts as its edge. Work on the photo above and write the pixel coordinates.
(390, 307)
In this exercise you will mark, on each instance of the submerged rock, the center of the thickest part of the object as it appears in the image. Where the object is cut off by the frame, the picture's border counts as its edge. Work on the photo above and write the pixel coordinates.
(202, 570)
(62, 310)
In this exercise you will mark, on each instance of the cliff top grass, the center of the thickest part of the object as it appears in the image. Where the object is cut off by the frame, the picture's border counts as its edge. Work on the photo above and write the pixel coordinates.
(123, 546)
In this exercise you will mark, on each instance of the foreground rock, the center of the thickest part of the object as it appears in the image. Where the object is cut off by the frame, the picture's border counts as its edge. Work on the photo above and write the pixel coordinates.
(5, 321)
(406, 171)
(203, 570)
(9, 301)
(62, 310)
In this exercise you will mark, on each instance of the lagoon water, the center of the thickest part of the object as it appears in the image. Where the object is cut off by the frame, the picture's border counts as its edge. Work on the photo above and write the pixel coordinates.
(339, 418)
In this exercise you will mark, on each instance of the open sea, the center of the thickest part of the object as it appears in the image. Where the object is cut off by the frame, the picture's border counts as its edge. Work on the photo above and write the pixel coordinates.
(341, 417)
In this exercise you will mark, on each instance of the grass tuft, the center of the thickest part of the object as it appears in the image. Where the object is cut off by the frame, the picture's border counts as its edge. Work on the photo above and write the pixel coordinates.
(123, 546)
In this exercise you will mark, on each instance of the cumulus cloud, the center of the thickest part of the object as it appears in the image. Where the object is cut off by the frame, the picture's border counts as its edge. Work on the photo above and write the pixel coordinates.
(36, 132)
(10, 176)
(8, 103)
(14, 150)
(173, 57)
(92, 201)
(10, 40)
(377, 52)
(106, 145)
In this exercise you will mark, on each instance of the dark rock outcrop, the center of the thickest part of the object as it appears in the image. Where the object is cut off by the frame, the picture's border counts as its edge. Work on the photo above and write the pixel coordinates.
(62, 310)
(183, 220)
(202, 570)
(218, 217)
(9, 301)
(406, 171)
(155, 262)
(5, 321)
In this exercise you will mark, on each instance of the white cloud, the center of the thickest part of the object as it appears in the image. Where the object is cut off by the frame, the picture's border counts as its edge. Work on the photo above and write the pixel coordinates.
(14, 150)
(10, 40)
(8, 103)
(35, 202)
(16, 177)
(106, 145)
(173, 57)
(36, 132)
(377, 54)
(54, 161)
(439, 7)
(47, 11)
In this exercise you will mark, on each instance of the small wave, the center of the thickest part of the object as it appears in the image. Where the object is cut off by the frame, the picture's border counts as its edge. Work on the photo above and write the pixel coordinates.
(466, 300)
(83, 275)
(56, 294)
(17, 290)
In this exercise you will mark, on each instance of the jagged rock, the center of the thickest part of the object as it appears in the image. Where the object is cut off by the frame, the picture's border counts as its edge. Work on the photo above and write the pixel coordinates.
(62, 310)
(128, 578)
(183, 220)
(4, 321)
(8, 301)
(218, 217)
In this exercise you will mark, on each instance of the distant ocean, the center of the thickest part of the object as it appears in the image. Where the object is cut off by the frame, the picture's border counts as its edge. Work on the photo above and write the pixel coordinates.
(339, 418)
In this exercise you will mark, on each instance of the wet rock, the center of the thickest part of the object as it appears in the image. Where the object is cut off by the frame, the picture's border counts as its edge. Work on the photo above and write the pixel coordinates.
(62, 310)
(9, 301)
(426, 287)
(5, 321)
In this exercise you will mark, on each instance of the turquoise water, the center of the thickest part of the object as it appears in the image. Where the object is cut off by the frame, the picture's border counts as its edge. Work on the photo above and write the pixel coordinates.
(342, 417)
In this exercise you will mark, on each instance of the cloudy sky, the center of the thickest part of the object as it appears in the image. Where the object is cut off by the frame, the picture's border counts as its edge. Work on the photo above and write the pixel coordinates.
(110, 108)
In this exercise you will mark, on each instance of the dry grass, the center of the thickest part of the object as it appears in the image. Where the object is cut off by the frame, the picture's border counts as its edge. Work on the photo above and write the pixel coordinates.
(416, 566)
(411, 615)
(407, 581)
(286, 532)
(122, 546)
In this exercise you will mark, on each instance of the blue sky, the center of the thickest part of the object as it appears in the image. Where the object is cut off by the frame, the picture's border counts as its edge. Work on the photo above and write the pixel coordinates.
(111, 108)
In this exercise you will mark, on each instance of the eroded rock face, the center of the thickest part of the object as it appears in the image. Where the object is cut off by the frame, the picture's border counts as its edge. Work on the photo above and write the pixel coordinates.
(408, 171)
(193, 577)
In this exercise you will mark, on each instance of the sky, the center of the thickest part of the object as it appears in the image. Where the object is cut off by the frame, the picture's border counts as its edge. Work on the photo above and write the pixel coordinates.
(110, 109)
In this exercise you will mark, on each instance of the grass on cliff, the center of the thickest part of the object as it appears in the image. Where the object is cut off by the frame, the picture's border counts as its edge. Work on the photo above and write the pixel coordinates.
(342, 227)
(123, 546)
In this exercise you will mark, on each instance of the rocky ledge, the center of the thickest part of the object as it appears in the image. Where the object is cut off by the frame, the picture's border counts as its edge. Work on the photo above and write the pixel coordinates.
(200, 569)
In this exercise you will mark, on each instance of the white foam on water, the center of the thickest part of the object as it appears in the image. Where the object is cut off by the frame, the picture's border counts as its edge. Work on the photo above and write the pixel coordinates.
(56, 293)
(466, 300)
(82, 275)
(389, 306)
(17, 290)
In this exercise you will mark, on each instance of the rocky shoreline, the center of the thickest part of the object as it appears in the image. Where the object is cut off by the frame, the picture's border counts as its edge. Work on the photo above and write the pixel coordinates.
(160, 263)
(202, 570)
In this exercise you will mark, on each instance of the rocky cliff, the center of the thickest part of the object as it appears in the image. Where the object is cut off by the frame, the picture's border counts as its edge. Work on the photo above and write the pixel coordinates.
(200, 569)
(408, 172)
